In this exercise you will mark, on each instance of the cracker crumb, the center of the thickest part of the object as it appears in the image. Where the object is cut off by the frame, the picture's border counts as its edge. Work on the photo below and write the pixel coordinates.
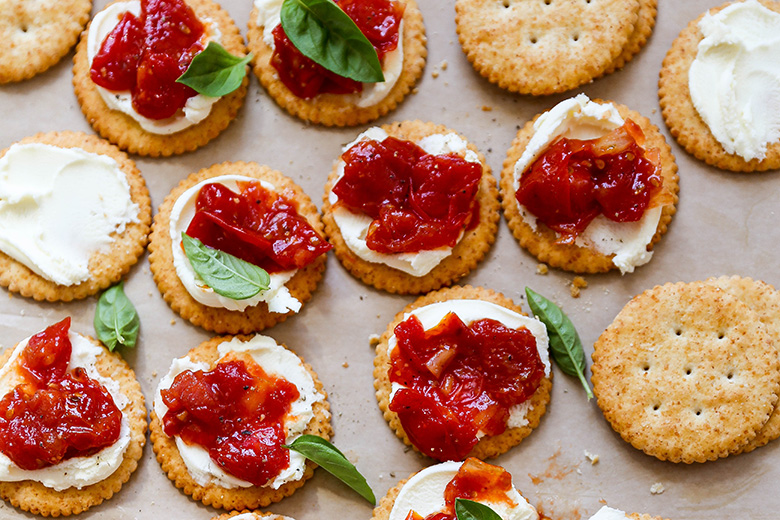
(486, 108)
(657, 488)
(542, 269)
(154, 374)
(575, 291)
(173, 322)
(21, 312)
(345, 364)
(592, 457)
(415, 90)
(443, 65)
(577, 284)
(435, 74)
(373, 340)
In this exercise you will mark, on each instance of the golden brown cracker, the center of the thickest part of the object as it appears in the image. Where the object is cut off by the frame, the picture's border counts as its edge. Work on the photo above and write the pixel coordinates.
(542, 242)
(764, 300)
(335, 109)
(37, 499)
(686, 373)
(542, 47)
(469, 251)
(237, 498)
(645, 516)
(218, 319)
(648, 9)
(36, 34)
(256, 515)
(684, 122)
(105, 267)
(488, 446)
(126, 133)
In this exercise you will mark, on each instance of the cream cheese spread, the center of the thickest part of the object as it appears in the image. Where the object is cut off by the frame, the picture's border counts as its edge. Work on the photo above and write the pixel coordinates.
(277, 297)
(372, 93)
(734, 80)
(354, 226)
(608, 513)
(59, 206)
(75, 472)
(275, 360)
(581, 118)
(470, 311)
(424, 494)
(195, 110)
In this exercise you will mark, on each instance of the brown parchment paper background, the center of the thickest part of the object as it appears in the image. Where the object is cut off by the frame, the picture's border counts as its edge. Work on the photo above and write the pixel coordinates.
(726, 223)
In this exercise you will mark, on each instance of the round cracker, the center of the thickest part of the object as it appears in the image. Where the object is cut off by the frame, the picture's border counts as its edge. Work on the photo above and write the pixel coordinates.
(542, 242)
(257, 515)
(488, 446)
(542, 47)
(764, 300)
(684, 122)
(218, 319)
(648, 9)
(236, 498)
(126, 133)
(644, 516)
(105, 267)
(37, 499)
(37, 34)
(467, 253)
(686, 373)
(335, 109)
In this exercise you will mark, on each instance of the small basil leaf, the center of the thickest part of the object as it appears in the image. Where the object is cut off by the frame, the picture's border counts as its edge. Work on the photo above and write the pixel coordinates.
(116, 320)
(470, 510)
(328, 36)
(326, 455)
(214, 72)
(565, 343)
(229, 276)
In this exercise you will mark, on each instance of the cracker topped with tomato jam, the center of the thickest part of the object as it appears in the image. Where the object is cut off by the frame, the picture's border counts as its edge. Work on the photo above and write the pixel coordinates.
(589, 186)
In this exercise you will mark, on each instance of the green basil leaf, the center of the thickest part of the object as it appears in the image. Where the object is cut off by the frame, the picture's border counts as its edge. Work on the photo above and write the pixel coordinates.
(116, 321)
(565, 343)
(214, 72)
(326, 455)
(229, 276)
(325, 34)
(470, 510)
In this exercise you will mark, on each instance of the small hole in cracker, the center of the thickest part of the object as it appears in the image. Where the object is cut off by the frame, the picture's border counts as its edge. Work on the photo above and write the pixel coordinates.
(24, 28)
(547, 2)
(656, 407)
(505, 3)
(646, 367)
(678, 332)
(688, 371)
(730, 375)
(534, 39)
(698, 412)
(575, 37)
(721, 335)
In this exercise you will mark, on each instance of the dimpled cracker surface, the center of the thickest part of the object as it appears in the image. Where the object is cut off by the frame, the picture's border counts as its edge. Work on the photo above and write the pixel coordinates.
(686, 373)
(543, 242)
(544, 46)
(256, 515)
(36, 34)
(106, 266)
(218, 319)
(236, 498)
(126, 133)
(37, 499)
(335, 109)
(684, 122)
(466, 254)
(488, 446)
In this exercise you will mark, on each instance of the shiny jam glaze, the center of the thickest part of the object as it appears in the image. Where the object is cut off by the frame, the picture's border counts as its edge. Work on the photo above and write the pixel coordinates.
(378, 20)
(257, 225)
(458, 380)
(54, 415)
(477, 481)
(236, 412)
(146, 55)
(418, 201)
(573, 181)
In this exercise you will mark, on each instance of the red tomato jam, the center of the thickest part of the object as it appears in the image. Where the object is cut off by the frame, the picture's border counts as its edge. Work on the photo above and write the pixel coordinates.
(236, 412)
(418, 201)
(257, 225)
(378, 20)
(575, 180)
(146, 55)
(458, 380)
(55, 415)
(477, 481)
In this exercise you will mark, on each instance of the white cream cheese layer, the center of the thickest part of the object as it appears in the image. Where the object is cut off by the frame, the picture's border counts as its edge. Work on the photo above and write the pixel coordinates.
(581, 118)
(195, 110)
(470, 311)
(734, 80)
(277, 297)
(59, 206)
(354, 226)
(76, 472)
(372, 93)
(424, 494)
(608, 513)
(275, 360)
